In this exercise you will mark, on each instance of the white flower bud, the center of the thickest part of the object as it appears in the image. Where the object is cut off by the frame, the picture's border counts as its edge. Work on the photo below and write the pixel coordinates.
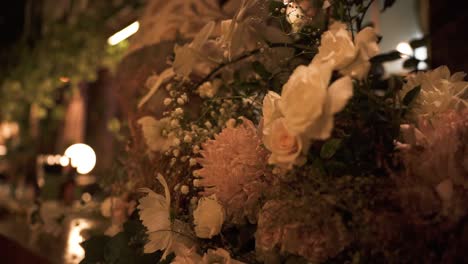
(231, 123)
(179, 111)
(192, 162)
(196, 149)
(175, 123)
(176, 152)
(184, 189)
(167, 101)
(196, 183)
(187, 139)
(180, 101)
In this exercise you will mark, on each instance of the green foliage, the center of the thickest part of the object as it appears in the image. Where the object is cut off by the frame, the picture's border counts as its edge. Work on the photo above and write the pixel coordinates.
(330, 147)
(66, 54)
(411, 95)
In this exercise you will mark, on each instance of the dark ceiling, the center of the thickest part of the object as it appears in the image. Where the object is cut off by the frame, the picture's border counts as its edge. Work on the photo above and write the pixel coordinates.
(11, 22)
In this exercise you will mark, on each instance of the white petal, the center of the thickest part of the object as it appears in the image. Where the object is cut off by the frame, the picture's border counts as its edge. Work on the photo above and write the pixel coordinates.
(339, 93)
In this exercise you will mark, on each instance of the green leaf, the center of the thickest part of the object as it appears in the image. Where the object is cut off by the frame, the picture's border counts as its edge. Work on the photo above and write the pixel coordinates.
(388, 4)
(411, 95)
(261, 70)
(317, 168)
(389, 56)
(330, 147)
(417, 43)
(94, 249)
(411, 63)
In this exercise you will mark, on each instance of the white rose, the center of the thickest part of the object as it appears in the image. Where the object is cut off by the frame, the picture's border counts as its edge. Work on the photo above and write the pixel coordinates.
(304, 95)
(208, 217)
(338, 95)
(285, 147)
(336, 44)
(366, 43)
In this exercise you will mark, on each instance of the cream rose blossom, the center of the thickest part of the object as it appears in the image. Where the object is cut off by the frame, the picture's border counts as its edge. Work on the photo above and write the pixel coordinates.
(304, 112)
(303, 96)
(336, 44)
(348, 57)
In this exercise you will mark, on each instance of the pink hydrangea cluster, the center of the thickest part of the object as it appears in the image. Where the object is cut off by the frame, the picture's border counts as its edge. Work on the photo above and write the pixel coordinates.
(232, 166)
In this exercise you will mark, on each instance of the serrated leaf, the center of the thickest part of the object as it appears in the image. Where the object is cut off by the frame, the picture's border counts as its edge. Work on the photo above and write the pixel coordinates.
(411, 95)
(330, 147)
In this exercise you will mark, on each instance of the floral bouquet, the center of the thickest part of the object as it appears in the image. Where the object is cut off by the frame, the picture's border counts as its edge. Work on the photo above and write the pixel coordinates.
(273, 137)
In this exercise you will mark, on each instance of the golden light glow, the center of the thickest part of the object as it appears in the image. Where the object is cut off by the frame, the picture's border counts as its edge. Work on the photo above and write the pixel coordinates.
(82, 157)
(64, 161)
(3, 150)
(124, 33)
(405, 48)
(75, 253)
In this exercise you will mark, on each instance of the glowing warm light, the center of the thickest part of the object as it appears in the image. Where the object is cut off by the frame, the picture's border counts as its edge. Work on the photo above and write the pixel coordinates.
(124, 33)
(9, 129)
(82, 157)
(3, 150)
(421, 53)
(86, 197)
(50, 160)
(64, 161)
(64, 79)
(422, 66)
(75, 253)
(405, 48)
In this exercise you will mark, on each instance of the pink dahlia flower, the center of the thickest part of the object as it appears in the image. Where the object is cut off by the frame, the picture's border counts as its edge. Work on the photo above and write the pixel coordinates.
(232, 165)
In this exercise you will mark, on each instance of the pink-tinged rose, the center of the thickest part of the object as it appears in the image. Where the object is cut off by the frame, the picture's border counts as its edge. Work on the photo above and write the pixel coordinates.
(285, 147)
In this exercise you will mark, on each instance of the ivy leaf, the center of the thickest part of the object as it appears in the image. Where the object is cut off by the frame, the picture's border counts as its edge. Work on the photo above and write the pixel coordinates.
(330, 147)
(261, 70)
(411, 95)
